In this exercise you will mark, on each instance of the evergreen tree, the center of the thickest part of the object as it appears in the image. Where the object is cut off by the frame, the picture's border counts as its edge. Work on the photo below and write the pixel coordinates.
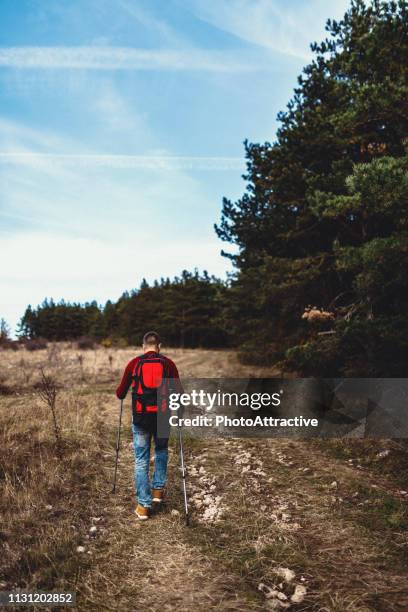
(350, 107)
(372, 312)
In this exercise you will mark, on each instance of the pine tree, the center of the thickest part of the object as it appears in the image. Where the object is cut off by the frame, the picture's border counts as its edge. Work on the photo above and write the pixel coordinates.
(350, 107)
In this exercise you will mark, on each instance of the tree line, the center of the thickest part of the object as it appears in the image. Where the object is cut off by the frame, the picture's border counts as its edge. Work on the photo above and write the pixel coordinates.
(321, 231)
(187, 312)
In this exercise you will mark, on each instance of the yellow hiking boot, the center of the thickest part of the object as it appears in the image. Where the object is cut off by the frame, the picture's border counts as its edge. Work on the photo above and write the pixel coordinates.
(157, 496)
(142, 513)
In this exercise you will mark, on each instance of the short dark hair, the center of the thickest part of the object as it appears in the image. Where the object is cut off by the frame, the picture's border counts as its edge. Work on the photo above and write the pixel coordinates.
(151, 338)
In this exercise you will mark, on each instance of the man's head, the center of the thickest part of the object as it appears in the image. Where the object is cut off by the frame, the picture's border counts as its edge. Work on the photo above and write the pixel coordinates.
(151, 342)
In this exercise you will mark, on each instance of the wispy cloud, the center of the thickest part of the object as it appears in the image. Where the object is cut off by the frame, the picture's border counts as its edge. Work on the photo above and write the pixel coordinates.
(125, 58)
(116, 112)
(46, 182)
(148, 20)
(145, 162)
(281, 26)
(48, 152)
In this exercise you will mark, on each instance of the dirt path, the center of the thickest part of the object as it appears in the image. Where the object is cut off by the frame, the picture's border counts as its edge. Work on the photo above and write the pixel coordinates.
(284, 511)
(154, 565)
(277, 524)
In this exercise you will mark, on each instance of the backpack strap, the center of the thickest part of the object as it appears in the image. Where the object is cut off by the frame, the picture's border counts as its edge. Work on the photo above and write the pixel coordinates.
(136, 369)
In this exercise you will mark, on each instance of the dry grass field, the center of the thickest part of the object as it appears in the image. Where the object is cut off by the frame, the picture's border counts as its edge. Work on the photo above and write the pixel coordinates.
(276, 524)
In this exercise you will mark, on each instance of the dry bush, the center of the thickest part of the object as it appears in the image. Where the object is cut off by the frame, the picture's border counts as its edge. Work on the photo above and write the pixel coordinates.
(5, 389)
(85, 343)
(25, 371)
(54, 354)
(35, 344)
(8, 345)
(47, 390)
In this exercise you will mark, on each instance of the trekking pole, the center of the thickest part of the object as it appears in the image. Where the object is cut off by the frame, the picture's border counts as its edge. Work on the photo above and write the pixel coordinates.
(117, 446)
(183, 474)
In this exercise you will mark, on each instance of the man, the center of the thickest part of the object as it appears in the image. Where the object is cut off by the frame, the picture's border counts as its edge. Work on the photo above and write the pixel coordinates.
(152, 377)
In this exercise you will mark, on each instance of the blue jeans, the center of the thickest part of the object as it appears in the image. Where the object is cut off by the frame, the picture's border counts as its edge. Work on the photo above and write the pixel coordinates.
(141, 443)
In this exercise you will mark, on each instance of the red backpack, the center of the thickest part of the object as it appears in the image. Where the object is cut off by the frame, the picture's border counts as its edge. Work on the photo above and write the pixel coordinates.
(149, 383)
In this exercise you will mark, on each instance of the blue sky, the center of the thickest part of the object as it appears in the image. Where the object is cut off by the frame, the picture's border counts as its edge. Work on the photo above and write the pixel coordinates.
(121, 129)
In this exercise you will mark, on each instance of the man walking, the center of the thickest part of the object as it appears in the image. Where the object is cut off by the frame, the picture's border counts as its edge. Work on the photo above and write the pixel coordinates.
(152, 377)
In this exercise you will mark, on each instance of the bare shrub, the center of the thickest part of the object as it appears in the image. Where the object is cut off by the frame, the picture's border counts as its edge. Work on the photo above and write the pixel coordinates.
(5, 389)
(85, 343)
(110, 359)
(81, 364)
(26, 373)
(8, 345)
(35, 344)
(54, 353)
(47, 390)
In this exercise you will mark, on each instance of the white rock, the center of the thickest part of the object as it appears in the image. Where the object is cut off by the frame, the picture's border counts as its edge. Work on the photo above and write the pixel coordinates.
(333, 484)
(93, 529)
(403, 492)
(285, 573)
(267, 591)
(80, 549)
(48, 507)
(299, 594)
(175, 512)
